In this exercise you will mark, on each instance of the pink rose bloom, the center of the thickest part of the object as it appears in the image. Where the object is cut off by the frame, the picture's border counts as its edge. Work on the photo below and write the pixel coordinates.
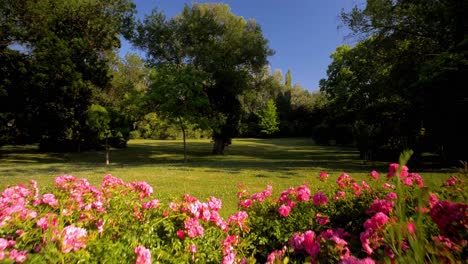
(50, 199)
(388, 186)
(246, 203)
(3, 244)
(357, 189)
(284, 210)
(374, 174)
(181, 234)
(215, 204)
(193, 248)
(311, 245)
(143, 255)
(297, 241)
(451, 181)
(303, 193)
(391, 196)
(323, 176)
(194, 228)
(320, 199)
(340, 195)
(238, 219)
(74, 238)
(323, 220)
(411, 227)
(376, 221)
(18, 256)
(153, 204)
(100, 226)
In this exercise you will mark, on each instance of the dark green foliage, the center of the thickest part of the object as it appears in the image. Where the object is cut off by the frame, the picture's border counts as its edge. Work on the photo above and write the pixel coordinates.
(60, 70)
(223, 48)
(403, 85)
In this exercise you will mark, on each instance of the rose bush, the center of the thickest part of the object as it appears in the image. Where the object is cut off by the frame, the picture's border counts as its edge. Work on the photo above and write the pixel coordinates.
(396, 221)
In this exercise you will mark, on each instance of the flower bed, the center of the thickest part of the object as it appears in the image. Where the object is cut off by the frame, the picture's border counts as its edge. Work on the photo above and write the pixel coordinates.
(399, 221)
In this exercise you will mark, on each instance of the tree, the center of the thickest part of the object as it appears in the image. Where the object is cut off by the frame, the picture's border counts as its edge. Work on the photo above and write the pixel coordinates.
(226, 48)
(98, 120)
(177, 93)
(268, 118)
(65, 44)
(404, 79)
(288, 79)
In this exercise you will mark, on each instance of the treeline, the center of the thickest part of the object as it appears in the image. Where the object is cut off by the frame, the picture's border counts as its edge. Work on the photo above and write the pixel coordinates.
(205, 74)
(404, 84)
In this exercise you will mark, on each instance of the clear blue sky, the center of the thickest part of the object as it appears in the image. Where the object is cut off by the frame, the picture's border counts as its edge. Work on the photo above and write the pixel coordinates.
(303, 33)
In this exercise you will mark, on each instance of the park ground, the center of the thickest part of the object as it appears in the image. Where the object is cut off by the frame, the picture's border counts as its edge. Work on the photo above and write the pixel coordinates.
(255, 163)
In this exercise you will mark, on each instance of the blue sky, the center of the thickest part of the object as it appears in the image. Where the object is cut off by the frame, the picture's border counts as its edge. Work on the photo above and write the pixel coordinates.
(303, 33)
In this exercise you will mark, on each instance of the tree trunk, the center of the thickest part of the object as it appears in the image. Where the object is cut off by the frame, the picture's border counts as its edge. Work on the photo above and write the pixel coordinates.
(185, 145)
(107, 153)
(219, 144)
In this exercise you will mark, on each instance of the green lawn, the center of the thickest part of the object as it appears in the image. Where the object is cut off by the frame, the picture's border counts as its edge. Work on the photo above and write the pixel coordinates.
(254, 162)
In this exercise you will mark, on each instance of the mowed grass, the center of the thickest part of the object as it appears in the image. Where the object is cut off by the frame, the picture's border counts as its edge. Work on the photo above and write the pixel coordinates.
(253, 162)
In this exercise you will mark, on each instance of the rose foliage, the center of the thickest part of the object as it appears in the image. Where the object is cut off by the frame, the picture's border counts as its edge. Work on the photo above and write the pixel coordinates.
(397, 220)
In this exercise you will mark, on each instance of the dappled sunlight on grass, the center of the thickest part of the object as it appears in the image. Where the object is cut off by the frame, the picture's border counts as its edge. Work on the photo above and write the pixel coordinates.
(253, 162)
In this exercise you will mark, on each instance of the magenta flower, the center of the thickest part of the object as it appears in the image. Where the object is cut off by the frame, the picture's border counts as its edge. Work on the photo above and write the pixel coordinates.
(320, 199)
(311, 245)
(376, 221)
(393, 169)
(73, 238)
(374, 174)
(321, 219)
(143, 255)
(284, 210)
(181, 234)
(353, 260)
(297, 241)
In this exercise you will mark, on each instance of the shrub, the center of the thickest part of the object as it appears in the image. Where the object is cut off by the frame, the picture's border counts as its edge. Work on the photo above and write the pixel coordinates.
(397, 220)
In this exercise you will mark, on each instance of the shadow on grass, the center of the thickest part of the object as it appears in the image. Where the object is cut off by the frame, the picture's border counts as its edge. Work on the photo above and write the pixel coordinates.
(276, 155)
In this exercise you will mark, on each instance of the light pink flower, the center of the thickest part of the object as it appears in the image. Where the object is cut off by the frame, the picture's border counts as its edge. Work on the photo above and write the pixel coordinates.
(215, 204)
(193, 228)
(239, 219)
(73, 238)
(50, 199)
(18, 256)
(143, 255)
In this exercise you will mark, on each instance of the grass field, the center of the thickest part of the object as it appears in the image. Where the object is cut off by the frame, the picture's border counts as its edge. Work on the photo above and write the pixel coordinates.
(254, 162)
